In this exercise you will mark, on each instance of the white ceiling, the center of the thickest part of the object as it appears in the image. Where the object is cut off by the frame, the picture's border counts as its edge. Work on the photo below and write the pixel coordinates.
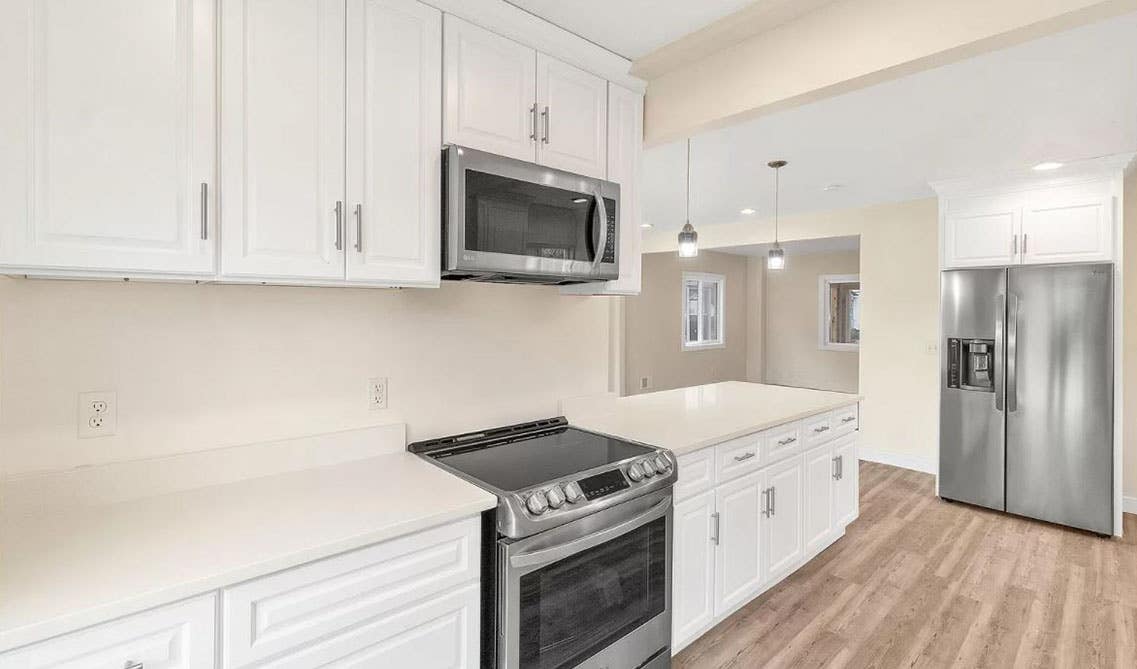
(799, 247)
(631, 28)
(1063, 97)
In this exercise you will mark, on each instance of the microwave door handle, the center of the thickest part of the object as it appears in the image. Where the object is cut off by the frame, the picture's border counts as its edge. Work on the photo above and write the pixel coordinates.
(602, 242)
(560, 551)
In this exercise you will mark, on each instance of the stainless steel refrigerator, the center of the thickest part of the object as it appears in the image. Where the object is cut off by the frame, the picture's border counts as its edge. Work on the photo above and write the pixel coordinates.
(1026, 392)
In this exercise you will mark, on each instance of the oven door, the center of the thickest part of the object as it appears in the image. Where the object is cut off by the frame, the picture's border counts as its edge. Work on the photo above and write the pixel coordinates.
(513, 218)
(593, 593)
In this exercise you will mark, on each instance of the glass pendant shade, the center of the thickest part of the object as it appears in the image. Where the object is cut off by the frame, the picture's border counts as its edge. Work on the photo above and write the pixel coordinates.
(688, 242)
(776, 259)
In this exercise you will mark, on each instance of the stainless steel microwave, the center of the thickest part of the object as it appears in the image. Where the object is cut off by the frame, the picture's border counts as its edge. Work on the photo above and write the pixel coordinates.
(509, 221)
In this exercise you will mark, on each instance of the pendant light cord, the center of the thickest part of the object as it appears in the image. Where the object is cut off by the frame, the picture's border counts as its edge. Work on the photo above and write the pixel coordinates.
(777, 187)
(688, 180)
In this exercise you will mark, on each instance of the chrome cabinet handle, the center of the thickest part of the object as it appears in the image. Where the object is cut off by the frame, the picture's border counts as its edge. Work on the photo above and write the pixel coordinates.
(131, 664)
(1024, 243)
(840, 467)
(836, 476)
(1014, 245)
(533, 122)
(359, 228)
(715, 528)
(765, 503)
(823, 428)
(545, 139)
(339, 225)
(787, 441)
(204, 212)
(848, 419)
(744, 457)
(773, 501)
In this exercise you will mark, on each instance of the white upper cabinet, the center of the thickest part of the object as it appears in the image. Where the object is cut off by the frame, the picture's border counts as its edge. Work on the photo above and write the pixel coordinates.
(625, 148)
(572, 108)
(981, 233)
(1072, 224)
(282, 139)
(490, 91)
(108, 136)
(394, 148)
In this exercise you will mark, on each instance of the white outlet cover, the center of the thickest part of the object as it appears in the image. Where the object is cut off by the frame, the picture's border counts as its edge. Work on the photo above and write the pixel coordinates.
(377, 393)
(97, 414)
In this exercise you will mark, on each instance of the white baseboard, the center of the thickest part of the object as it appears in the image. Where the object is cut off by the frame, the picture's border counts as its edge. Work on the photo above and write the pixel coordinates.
(916, 462)
(1129, 504)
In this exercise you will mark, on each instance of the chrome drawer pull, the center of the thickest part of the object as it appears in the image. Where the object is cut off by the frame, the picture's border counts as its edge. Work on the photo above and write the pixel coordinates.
(786, 441)
(130, 664)
(744, 457)
(823, 428)
(848, 419)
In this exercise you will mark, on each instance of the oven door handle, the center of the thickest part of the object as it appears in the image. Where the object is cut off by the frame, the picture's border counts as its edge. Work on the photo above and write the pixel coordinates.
(554, 553)
(602, 235)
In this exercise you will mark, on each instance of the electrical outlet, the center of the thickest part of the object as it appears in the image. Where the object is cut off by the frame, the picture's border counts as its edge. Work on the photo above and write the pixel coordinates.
(645, 382)
(377, 393)
(97, 415)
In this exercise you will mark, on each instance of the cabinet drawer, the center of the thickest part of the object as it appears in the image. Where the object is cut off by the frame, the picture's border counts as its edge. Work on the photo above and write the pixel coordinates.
(782, 442)
(293, 608)
(696, 473)
(817, 429)
(845, 420)
(738, 456)
(178, 636)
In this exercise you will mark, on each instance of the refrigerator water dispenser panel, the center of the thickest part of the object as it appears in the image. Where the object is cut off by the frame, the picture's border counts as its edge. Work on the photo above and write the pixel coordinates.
(971, 364)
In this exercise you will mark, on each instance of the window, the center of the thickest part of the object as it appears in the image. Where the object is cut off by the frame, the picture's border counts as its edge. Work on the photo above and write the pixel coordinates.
(839, 312)
(703, 317)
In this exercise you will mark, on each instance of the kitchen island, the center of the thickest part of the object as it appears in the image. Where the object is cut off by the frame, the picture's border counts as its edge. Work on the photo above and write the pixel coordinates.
(767, 480)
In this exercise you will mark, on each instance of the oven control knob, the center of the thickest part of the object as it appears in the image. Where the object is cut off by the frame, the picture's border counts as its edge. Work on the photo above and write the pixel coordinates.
(556, 497)
(635, 472)
(662, 464)
(573, 493)
(537, 504)
(649, 469)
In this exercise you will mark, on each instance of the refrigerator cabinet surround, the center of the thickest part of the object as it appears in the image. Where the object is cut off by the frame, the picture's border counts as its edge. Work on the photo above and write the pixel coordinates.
(1034, 438)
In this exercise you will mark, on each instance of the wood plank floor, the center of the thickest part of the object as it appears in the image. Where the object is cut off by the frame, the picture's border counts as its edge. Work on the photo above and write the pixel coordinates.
(919, 582)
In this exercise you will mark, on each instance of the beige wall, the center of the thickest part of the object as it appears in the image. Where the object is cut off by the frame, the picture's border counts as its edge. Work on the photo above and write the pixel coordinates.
(653, 332)
(198, 367)
(899, 364)
(793, 357)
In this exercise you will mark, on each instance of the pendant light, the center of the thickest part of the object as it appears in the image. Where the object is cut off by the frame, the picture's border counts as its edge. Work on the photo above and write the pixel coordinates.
(776, 259)
(688, 238)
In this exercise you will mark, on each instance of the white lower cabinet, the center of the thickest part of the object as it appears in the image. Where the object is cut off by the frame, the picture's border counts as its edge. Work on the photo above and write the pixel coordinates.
(738, 535)
(739, 530)
(177, 636)
(693, 566)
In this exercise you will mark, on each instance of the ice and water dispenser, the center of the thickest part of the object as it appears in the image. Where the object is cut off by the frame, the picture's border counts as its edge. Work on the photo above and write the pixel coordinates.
(971, 364)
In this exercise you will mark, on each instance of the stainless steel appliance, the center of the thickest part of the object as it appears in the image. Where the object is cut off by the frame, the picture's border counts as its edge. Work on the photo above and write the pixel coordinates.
(509, 221)
(577, 555)
(1026, 399)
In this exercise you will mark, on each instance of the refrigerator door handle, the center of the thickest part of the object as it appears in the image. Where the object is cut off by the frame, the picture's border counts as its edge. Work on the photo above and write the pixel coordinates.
(1000, 317)
(1012, 353)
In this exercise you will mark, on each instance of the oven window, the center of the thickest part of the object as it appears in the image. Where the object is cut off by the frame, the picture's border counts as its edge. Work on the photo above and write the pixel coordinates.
(576, 607)
(505, 215)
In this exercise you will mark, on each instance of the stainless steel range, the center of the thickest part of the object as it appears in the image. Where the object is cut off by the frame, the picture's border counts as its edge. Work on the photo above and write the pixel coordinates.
(577, 555)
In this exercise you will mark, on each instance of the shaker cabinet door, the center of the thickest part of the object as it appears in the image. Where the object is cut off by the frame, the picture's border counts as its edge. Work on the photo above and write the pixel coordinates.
(573, 114)
(108, 135)
(489, 91)
(845, 503)
(394, 148)
(693, 565)
(282, 139)
(1072, 224)
(783, 521)
(819, 469)
(981, 232)
(738, 561)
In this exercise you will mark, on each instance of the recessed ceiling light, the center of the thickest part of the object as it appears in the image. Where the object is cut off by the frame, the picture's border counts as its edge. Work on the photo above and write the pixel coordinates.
(747, 211)
(832, 187)
(1044, 167)
(646, 226)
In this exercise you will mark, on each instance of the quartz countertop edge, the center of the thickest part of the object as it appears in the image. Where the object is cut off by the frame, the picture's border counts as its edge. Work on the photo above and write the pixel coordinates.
(71, 569)
(685, 420)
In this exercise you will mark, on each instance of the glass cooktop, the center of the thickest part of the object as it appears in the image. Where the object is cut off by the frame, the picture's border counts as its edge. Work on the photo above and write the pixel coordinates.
(526, 462)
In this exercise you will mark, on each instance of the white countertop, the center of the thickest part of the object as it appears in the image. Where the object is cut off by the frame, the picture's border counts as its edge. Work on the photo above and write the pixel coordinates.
(66, 568)
(687, 419)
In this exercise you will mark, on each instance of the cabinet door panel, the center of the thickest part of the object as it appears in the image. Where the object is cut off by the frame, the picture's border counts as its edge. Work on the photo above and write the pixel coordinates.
(573, 109)
(109, 127)
(846, 488)
(394, 142)
(693, 558)
(490, 91)
(784, 521)
(738, 560)
(980, 232)
(818, 499)
(1073, 224)
(282, 140)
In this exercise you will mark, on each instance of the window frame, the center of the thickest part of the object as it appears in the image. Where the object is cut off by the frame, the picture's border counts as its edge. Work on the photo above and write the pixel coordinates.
(824, 281)
(702, 277)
